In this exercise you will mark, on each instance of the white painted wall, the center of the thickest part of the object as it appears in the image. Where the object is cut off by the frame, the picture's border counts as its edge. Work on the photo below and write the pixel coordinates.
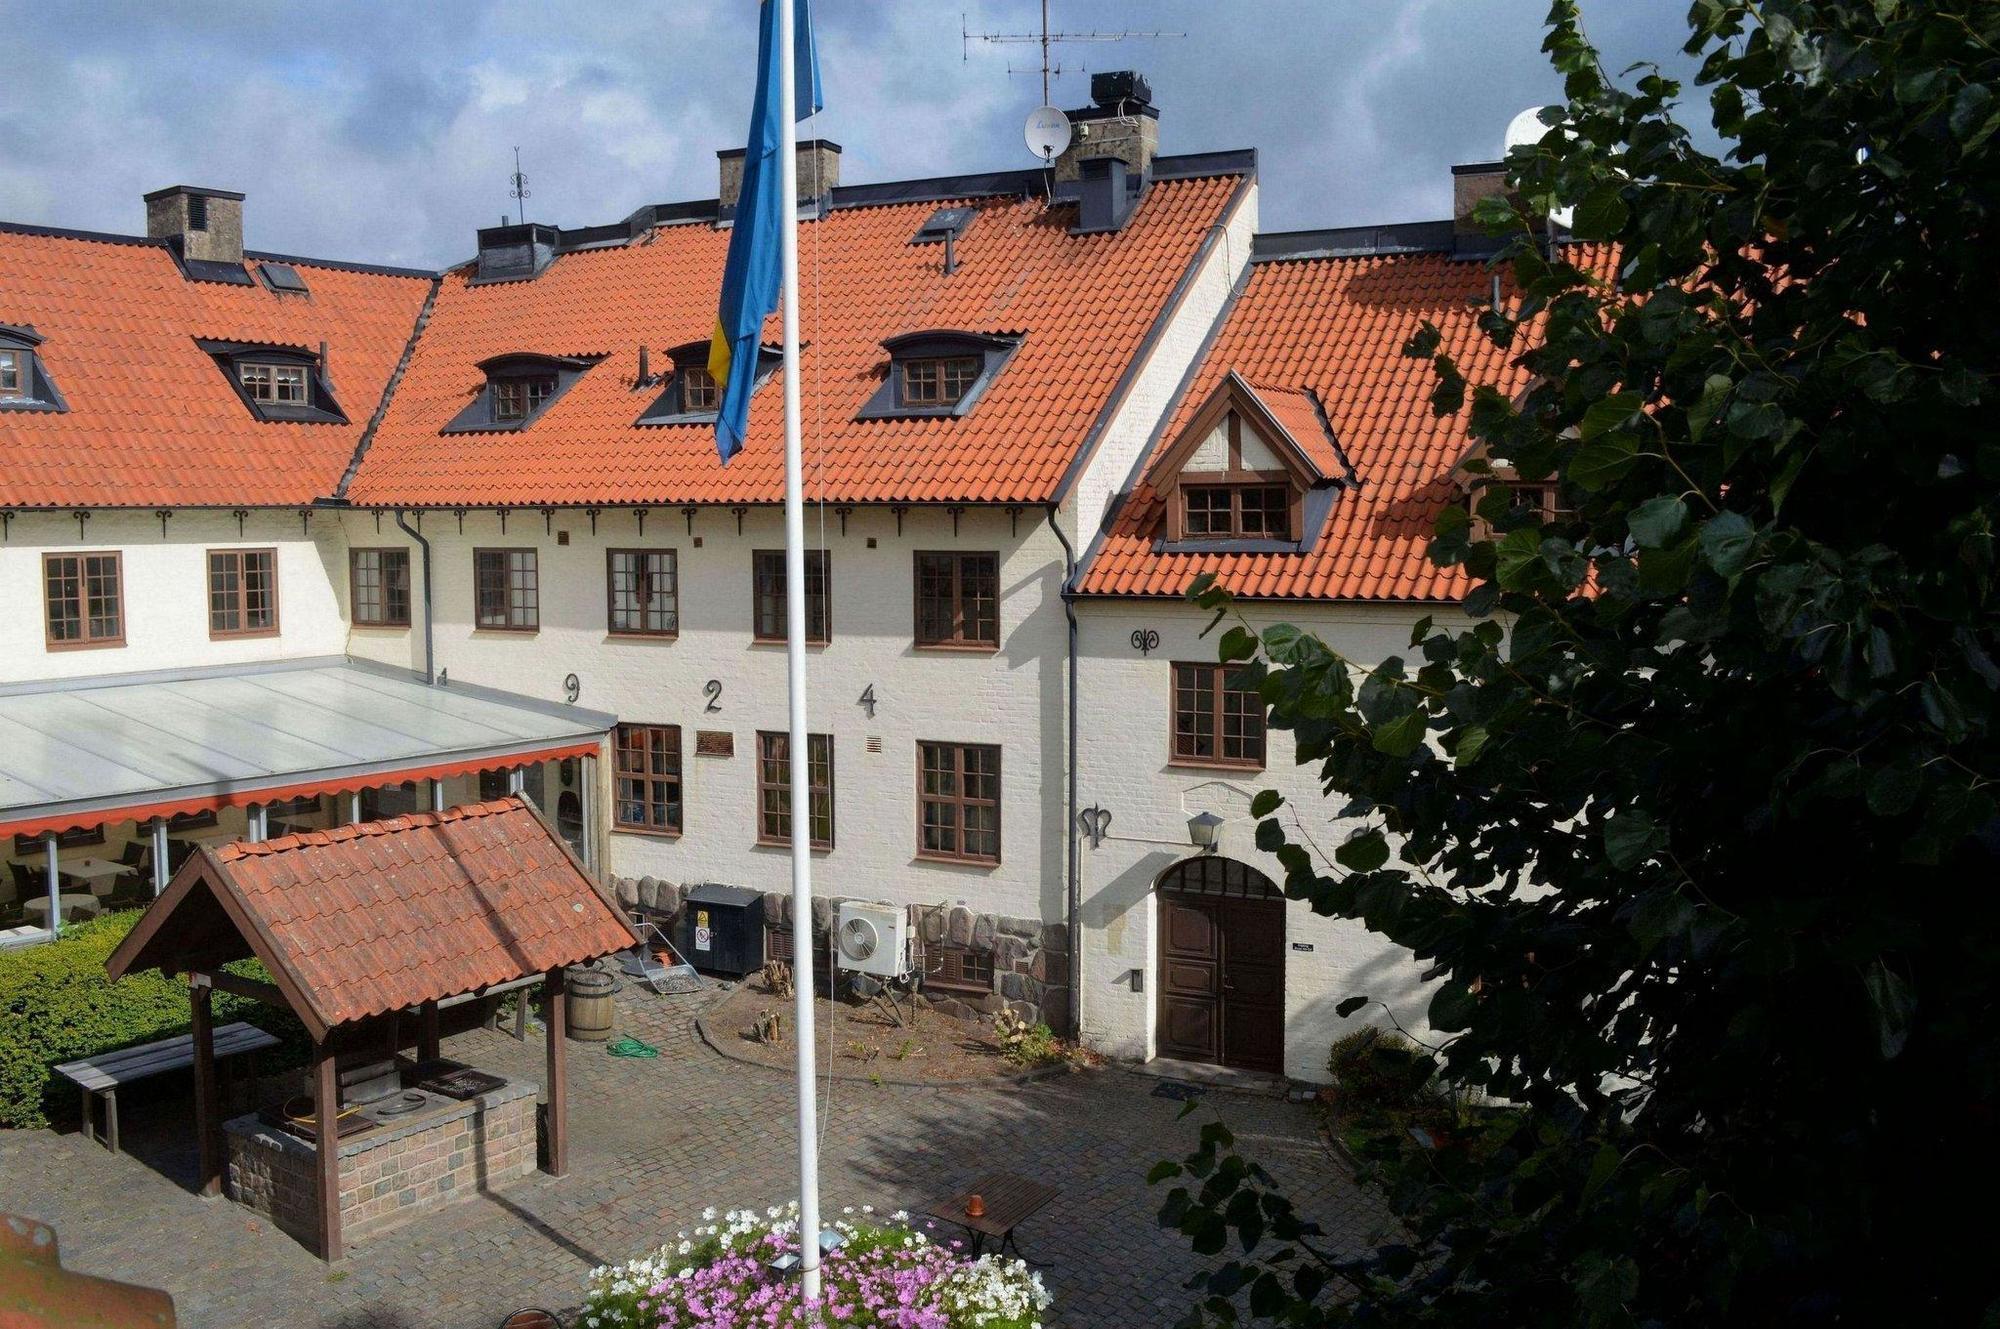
(166, 590)
(1126, 724)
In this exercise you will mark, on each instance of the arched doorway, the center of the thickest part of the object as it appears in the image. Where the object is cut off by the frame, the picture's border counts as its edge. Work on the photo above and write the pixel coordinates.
(1222, 965)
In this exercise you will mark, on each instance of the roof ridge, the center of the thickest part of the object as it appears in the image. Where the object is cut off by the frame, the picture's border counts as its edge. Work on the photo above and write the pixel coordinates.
(396, 825)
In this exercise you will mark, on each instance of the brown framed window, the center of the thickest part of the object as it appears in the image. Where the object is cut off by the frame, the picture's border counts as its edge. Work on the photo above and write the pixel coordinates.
(698, 390)
(774, 788)
(242, 592)
(14, 374)
(506, 590)
(939, 380)
(958, 802)
(84, 598)
(1218, 716)
(305, 805)
(952, 968)
(378, 582)
(768, 611)
(1251, 512)
(518, 398)
(281, 385)
(958, 600)
(77, 837)
(646, 794)
(643, 590)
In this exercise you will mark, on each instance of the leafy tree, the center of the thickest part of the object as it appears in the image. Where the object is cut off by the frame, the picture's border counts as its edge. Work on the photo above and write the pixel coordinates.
(1694, 821)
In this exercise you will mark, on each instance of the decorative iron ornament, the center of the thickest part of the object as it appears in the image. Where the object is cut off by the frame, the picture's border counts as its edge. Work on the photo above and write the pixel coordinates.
(1094, 822)
(1145, 640)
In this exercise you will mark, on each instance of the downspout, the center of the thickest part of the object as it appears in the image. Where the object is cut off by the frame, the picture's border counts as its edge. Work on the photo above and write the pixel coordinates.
(1075, 864)
(430, 673)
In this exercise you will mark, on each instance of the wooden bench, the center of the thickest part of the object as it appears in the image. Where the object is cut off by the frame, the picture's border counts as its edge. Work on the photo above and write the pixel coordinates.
(99, 1077)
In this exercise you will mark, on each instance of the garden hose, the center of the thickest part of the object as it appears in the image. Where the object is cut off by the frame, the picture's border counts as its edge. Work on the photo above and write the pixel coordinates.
(627, 1046)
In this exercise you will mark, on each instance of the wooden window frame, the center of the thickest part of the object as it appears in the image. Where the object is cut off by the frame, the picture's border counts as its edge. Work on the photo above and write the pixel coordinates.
(611, 557)
(939, 368)
(387, 619)
(24, 374)
(241, 558)
(692, 387)
(1218, 693)
(86, 642)
(961, 801)
(526, 383)
(1237, 485)
(782, 787)
(1482, 529)
(957, 640)
(1226, 413)
(620, 747)
(979, 963)
(507, 589)
(272, 369)
(761, 580)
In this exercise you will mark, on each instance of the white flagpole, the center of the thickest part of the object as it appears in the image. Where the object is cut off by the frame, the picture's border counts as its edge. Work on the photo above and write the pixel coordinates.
(795, 662)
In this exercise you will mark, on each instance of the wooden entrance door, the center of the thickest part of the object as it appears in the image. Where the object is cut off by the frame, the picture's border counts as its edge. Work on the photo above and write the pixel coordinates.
(1222, 966)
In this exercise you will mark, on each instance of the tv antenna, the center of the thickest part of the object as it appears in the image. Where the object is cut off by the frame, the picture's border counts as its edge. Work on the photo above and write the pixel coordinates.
(520, 191)
(1045, 39)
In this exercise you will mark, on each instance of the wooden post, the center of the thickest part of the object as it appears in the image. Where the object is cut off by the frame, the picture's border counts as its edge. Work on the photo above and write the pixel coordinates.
(207, 1108)
(552, 985)
(326, 1144)
(427, 1031)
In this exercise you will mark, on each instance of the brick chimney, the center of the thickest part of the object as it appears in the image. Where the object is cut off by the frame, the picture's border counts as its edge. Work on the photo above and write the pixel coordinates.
(204, 225)
(1121, 122)
(1469, 184)
(819, 171)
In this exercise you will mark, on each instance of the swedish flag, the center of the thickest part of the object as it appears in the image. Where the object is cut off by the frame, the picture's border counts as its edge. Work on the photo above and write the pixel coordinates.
(750, 277)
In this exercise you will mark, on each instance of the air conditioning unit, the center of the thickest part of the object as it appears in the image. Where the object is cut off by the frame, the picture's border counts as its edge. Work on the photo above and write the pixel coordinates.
(873, 939)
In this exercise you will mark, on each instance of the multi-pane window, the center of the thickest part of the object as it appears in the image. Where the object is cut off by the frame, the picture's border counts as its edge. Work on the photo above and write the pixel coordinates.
(644, 592)
(506, 590)
(280, 385)
(379, 587)
(242, 592)
(13, 374)
(1257, 512)
(958, 599)
(939, 380)
(958, 801)
(519, 398)
(1218, 716)
(951, 968)
(768, 611)
(774, 788)
(647, 789)
(84, 600)
(698, 389)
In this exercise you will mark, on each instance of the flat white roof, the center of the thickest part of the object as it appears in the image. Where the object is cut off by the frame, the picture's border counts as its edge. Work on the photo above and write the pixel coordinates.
(99, 744)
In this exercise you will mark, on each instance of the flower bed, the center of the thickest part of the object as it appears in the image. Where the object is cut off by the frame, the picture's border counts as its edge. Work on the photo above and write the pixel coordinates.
(885, 1273)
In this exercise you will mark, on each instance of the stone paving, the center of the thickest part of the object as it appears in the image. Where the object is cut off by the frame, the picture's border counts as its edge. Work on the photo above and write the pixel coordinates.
(652, 1143)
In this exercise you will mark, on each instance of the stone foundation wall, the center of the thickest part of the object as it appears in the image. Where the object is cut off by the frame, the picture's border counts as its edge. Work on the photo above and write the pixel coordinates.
(391, 1173)
(1030, 958)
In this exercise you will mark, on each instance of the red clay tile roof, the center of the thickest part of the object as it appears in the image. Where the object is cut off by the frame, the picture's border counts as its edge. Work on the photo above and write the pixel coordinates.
(1298, 416)
(1082, 305)
(377, 917)
(152, 422)
(1337, 326)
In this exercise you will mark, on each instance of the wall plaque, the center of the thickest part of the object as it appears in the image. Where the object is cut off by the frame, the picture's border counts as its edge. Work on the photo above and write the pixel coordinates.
(714, 743)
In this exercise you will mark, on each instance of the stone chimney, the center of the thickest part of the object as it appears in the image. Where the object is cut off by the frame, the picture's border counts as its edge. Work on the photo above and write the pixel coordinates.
(1470, 184)
(203, 225)
(1121, 122)
(819, 171)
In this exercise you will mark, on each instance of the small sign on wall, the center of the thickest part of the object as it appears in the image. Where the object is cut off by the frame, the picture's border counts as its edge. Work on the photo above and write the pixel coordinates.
(714, 743)
(703, 937)
(1302, 946)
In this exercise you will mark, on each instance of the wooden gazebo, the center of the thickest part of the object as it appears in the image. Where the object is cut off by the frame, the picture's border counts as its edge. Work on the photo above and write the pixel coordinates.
(358, 924)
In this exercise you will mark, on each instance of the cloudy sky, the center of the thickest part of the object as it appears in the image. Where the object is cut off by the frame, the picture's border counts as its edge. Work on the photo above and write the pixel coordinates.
(383, 129)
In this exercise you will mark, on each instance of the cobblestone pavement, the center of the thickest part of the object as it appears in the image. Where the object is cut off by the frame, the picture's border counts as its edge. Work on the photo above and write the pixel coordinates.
(652, 1143)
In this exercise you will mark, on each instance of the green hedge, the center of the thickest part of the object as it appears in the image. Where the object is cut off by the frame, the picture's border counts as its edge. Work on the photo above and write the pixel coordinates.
(57, 1005)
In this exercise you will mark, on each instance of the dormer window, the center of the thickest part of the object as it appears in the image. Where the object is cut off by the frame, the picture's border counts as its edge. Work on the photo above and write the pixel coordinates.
(280, 384)
(520, 388)
(24, 380)
(1255, 470)
(691, 395)
(938, 373)
(1525, 502)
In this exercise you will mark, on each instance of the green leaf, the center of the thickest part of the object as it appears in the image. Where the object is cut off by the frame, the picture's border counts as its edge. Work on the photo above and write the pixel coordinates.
(1893, 789)
(1602, 1167)
(1602, 213)
(1666, 571)
(1727, 540)
(1401, 736)
(1893, 1004)
(1452, 1007)
(1620, 410)
(1471, 742)
(1363, 852)
(1630, 838)
(1657, 521)
(1603, 462)
(1239, 643)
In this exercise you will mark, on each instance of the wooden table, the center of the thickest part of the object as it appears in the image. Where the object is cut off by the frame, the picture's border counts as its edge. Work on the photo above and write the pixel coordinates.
(99, 874)
(1010, 1200)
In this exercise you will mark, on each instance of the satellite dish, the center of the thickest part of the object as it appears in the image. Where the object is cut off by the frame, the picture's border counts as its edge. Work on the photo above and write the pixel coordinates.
(858, 939)
(1526, 130)
(1047, 132)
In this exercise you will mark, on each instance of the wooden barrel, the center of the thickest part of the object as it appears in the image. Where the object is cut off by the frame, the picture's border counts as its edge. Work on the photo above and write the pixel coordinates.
(589, 1003)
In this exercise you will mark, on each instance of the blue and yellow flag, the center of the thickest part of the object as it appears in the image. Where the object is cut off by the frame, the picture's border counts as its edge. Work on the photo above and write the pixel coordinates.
(750, 277)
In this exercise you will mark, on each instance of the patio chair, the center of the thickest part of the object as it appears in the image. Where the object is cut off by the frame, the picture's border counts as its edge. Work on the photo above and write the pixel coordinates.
(28, 881)
(138, 856)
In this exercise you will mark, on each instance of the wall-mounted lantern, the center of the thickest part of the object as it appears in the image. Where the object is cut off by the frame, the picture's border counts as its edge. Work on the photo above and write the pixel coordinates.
(1203, 830)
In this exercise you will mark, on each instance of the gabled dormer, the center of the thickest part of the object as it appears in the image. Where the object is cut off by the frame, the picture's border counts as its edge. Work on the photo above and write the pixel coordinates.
(279, 384)
(25, 384)
(938, 374)
(520, 387)
(1255, 470)
(1497, 498)
(689, 394)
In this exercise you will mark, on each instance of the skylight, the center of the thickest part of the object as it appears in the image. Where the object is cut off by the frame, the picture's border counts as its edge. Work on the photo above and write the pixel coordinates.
(945, 223)
(283, 277)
